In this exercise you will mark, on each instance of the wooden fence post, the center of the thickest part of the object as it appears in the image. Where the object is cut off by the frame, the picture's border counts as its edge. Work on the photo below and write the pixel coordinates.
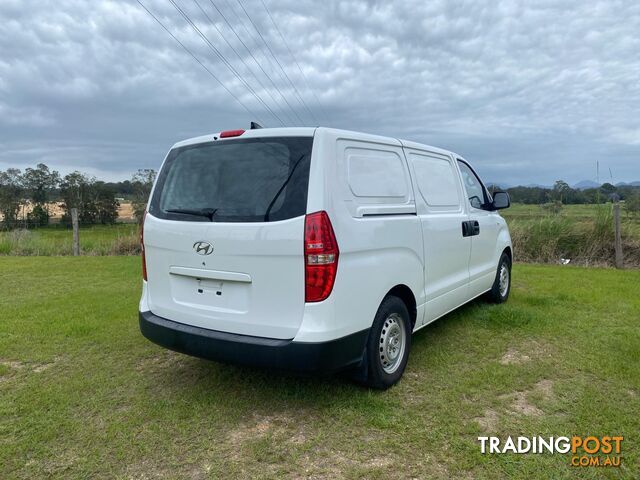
(618, 239)
(76, 233)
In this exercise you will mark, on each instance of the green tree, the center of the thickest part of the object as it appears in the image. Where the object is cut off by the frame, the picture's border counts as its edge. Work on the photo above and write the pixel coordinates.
(104, 203)
(39, 182)
(607, 191)
(560, 190)
(142, 182)
(38, 216)
(73, 190)
(95, 201)
(11, 190)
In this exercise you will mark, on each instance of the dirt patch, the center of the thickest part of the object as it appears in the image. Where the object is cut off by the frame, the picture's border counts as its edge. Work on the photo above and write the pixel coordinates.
(531, 350)
(283, 427)
(514, 357)
(161, 361)
(292, 432)
(545, 387)
(333, 464)
(41, 367)
(13, 364)
(29, 367)
(520, 404)
(149, 470)
(489, 421)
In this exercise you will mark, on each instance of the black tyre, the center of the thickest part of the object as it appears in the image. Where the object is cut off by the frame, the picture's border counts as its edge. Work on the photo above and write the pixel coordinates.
(499, 293)
(388, 346)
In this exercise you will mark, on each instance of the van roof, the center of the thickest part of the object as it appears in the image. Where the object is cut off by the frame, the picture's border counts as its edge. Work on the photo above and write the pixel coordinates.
(309, 132)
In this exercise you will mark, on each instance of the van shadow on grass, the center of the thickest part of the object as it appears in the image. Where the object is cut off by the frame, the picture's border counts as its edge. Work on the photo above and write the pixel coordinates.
(178, 376)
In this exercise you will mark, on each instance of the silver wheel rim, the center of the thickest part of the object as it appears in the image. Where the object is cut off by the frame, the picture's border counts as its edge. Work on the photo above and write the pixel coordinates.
(392, 343)
(503, 284)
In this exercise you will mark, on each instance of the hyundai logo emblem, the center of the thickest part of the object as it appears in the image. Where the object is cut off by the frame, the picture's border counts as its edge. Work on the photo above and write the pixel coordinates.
(203, 248)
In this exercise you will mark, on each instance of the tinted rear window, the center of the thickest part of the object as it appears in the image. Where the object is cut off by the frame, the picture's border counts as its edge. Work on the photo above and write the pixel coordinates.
(240, 180)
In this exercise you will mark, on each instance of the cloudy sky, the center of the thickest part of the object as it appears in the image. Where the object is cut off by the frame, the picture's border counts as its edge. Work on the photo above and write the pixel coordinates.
(529, 92)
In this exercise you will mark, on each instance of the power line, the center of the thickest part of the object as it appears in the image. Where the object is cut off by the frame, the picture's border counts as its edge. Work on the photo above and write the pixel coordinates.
(249, 111)
(251, 36)
(252, 55)
(239, 56)
(254, 58)
(277, 61)
(295, 61)
(225, 61)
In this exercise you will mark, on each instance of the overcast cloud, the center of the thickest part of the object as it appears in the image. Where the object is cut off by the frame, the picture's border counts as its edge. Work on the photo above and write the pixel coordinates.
(529, 92)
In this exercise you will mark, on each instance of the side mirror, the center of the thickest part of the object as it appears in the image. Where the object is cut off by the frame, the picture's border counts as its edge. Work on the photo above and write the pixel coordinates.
(501, 200)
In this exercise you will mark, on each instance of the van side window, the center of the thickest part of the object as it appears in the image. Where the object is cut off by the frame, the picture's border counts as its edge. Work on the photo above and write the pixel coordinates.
(375, 173)
(473, 186)
(436, 179)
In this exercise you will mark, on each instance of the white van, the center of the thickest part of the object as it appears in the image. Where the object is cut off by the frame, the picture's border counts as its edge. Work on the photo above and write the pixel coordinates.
(315, 249)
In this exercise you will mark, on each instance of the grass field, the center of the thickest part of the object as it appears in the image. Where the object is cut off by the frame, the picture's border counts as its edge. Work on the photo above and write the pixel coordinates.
(574, 213)
(118, 239)
(582, 233)
(84, 395)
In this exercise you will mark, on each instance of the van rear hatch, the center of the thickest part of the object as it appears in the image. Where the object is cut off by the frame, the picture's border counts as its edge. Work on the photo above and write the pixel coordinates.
(224, 235)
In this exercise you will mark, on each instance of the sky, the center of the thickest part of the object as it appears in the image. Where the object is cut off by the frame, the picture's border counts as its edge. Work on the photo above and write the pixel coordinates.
(528, 92)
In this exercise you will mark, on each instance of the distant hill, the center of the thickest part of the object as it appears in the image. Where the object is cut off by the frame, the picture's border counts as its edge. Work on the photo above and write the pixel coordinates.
(584, 184)
(499, 185)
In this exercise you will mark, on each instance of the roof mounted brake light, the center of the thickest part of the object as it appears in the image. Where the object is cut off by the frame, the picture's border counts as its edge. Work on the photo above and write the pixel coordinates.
(231, 133)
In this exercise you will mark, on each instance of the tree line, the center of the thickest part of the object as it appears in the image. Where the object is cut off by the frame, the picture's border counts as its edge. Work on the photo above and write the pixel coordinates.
(563, 193)
(96, 201)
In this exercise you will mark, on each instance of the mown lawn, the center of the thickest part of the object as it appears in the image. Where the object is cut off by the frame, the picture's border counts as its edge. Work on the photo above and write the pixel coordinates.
(84, 395)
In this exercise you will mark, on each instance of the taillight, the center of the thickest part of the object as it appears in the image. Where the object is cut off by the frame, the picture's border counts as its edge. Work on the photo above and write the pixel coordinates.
(144, 258)
(320, 256)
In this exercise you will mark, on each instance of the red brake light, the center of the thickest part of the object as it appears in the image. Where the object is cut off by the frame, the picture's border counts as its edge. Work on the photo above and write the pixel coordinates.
(320, 256)
(231, 133)
(144, 258)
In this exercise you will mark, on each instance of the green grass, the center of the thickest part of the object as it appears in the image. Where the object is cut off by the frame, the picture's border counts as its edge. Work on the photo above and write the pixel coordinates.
(585, 211)
(582, 233)
(581, 214)
(84, 395)
(118, 239)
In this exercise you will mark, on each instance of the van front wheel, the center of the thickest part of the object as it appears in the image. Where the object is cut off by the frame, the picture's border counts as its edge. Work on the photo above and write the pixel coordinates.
(388, 344)
(499, 292)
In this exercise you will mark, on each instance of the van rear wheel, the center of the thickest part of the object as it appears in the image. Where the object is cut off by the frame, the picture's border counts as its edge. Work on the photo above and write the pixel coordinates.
(388, 345)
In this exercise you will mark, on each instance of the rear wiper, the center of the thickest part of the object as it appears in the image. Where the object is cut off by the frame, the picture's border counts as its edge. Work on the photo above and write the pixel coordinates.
(201, 212)
(275, 197)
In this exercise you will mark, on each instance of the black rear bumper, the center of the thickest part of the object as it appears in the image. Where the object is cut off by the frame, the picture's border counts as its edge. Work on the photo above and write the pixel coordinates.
(258, 351)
